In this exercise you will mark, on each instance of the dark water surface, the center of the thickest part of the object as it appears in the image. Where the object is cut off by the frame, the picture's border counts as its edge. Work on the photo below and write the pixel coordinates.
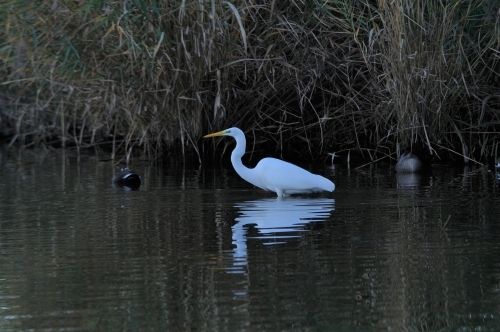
(200, 250)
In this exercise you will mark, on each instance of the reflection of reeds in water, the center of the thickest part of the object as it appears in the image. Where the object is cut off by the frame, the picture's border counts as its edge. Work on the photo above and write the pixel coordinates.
(357, 75)
(77, 232)
(385, 259)
(428, 261)
(419, 284)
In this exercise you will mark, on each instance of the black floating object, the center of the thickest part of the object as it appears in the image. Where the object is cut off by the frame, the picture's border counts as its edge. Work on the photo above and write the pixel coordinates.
(127, 178)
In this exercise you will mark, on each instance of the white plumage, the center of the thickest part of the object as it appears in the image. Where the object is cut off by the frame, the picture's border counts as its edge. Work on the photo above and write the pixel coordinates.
(274, 174)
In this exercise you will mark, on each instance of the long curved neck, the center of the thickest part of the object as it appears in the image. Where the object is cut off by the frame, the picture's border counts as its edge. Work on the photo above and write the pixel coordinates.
(246, 173)
(236, 155)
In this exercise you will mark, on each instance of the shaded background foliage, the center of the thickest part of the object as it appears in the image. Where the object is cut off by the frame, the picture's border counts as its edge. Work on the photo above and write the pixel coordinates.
(307, 78)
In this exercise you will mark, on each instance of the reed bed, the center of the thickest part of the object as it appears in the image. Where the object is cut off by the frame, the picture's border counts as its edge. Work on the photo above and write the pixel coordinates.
(303, 78)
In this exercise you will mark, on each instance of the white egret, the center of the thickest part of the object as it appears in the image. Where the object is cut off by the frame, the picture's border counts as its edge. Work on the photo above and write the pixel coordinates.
(408, 163)
(274, 174)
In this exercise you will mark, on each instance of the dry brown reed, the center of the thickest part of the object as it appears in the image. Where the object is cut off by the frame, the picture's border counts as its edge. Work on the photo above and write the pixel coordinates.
(306, 77)
(437, 69)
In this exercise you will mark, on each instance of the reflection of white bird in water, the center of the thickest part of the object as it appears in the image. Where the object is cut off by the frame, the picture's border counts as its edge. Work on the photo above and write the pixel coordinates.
(271, 216)
(274, 174)
(276, 221)
(408, 163)
(409, 180)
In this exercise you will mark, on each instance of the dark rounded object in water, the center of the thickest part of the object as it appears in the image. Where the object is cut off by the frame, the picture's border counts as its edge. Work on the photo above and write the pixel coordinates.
(127, 178)
(408, 163)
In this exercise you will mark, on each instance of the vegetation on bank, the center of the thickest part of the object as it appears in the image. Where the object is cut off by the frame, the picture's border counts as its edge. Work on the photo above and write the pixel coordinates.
(305, 78)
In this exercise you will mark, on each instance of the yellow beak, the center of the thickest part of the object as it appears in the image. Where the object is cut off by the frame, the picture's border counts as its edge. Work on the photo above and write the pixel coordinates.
(219, 133)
